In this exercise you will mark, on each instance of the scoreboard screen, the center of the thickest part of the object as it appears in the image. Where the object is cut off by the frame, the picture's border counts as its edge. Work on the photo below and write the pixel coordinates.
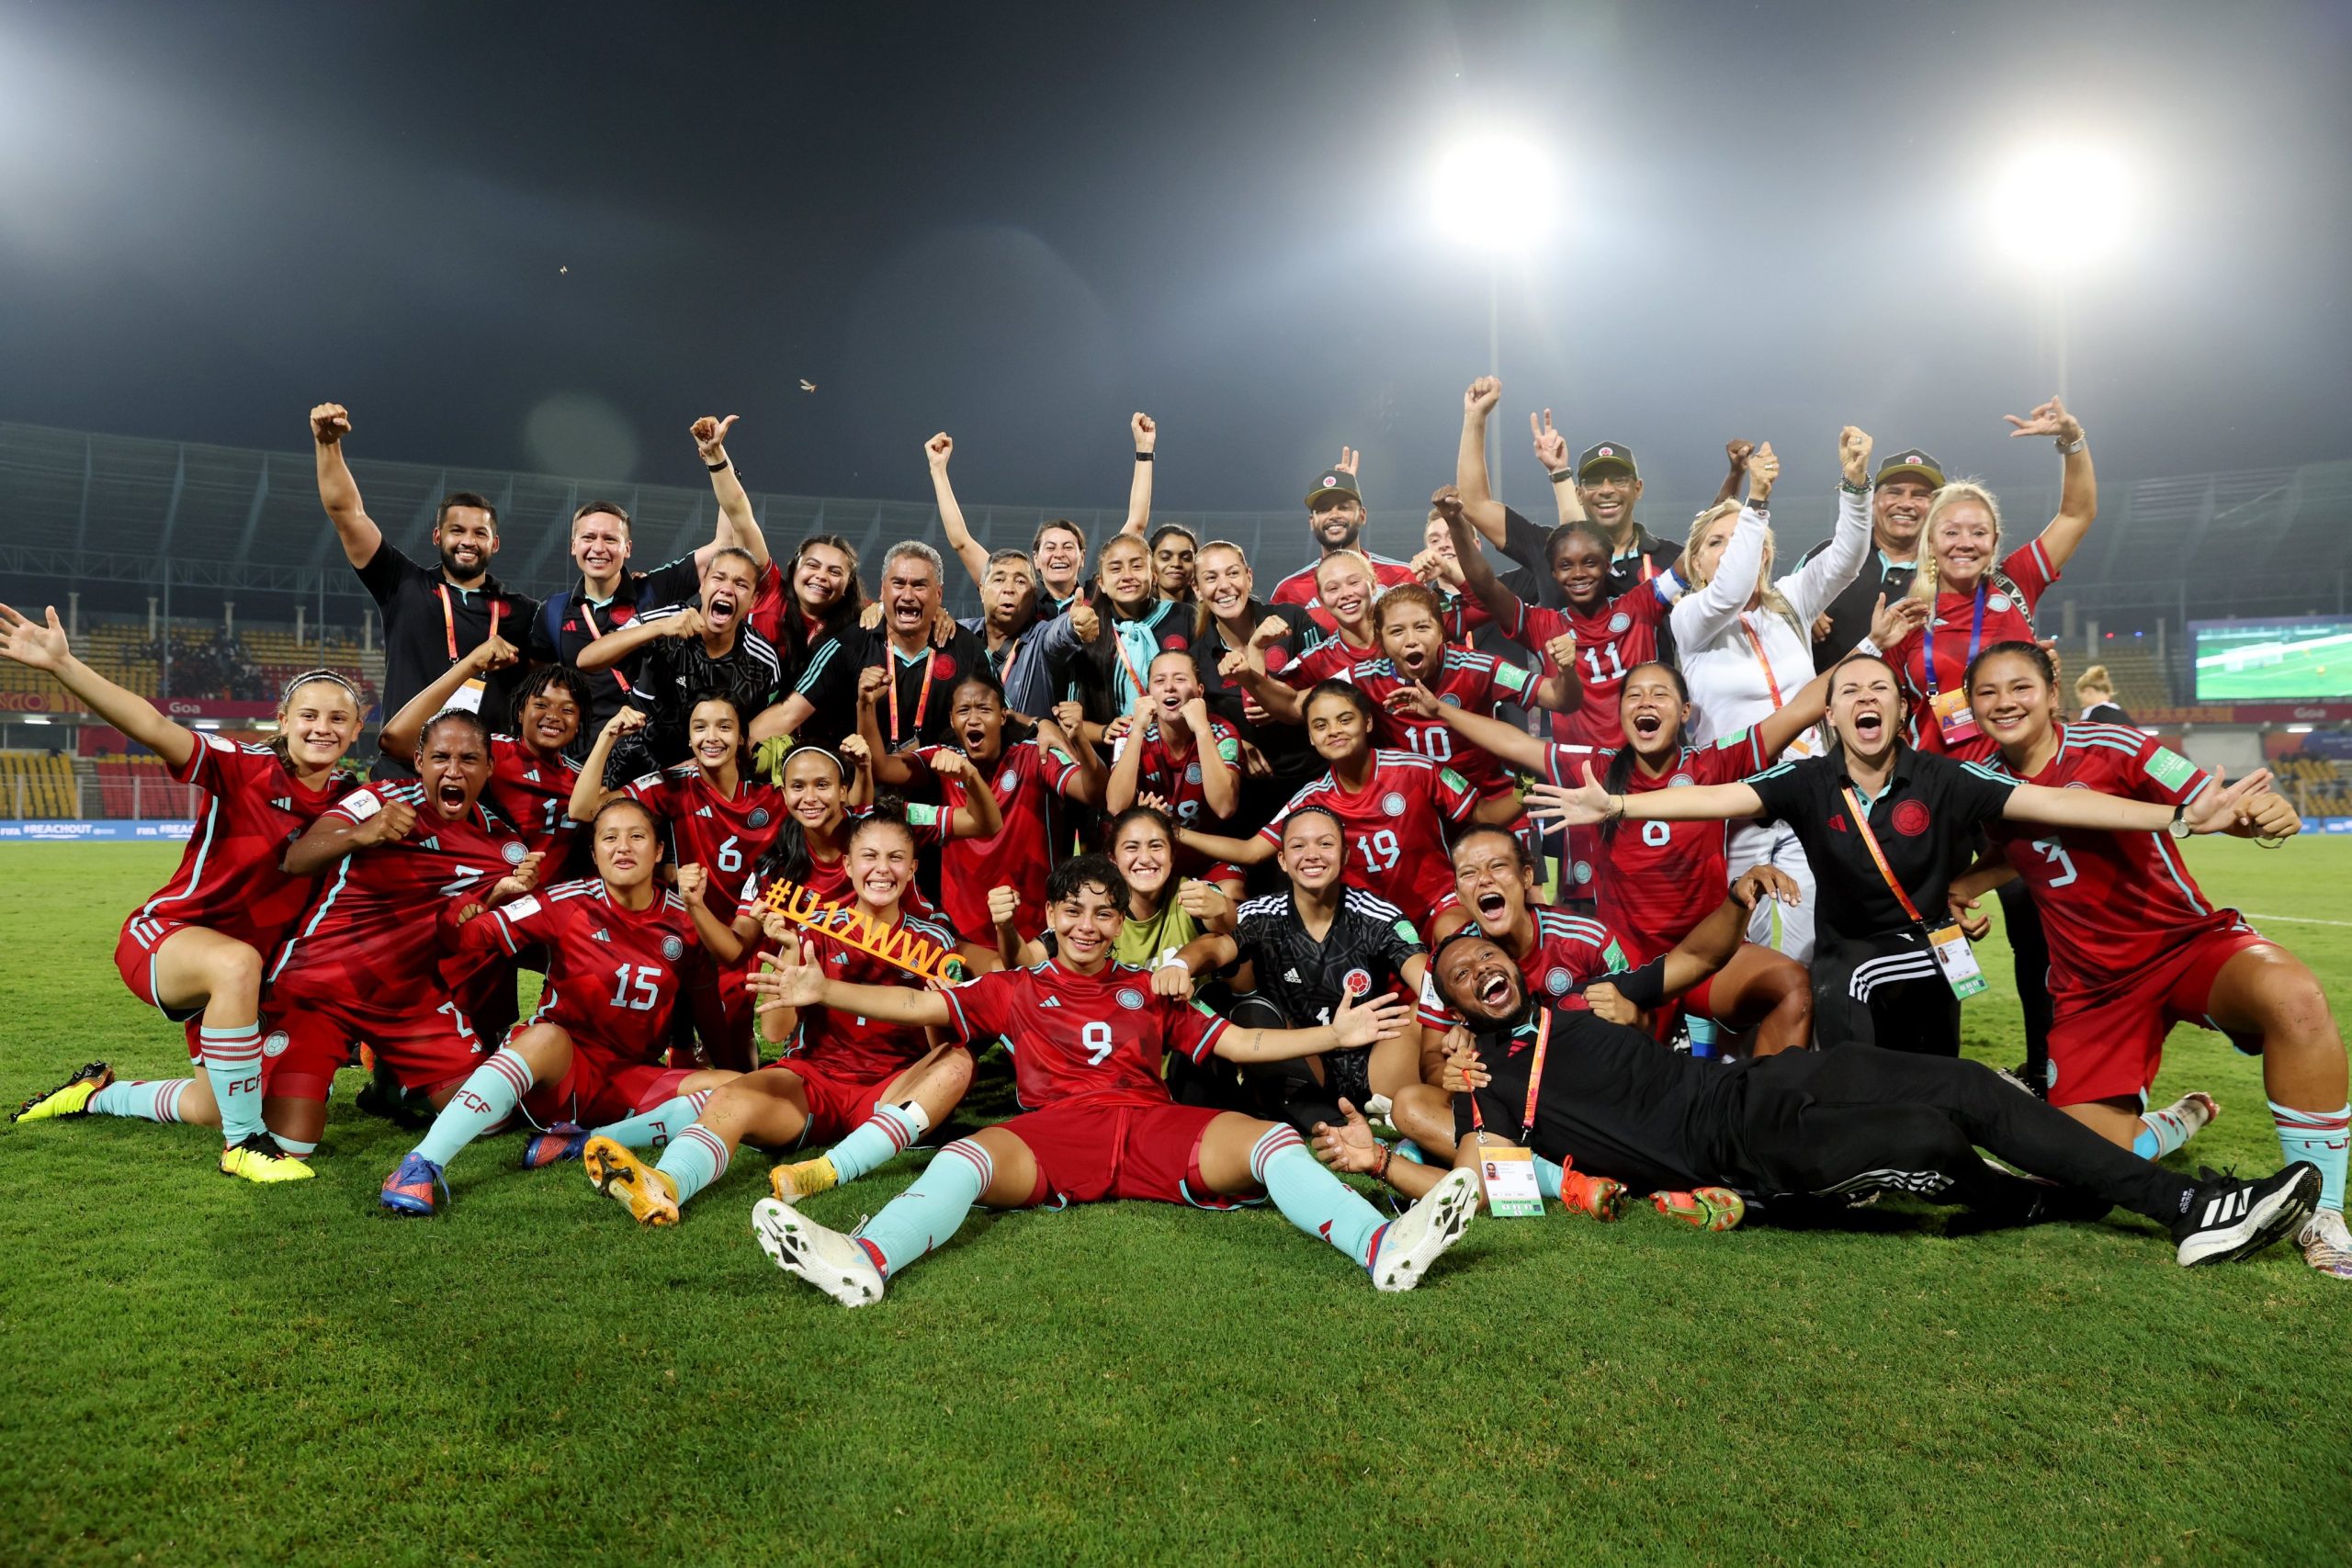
(2293, 658)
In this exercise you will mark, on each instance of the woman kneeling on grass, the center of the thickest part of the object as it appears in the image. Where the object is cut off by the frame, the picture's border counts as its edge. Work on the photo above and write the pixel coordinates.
(2136, 946)
(621, 950)
(1088, 1034)
(194, 951)
(872, 1083)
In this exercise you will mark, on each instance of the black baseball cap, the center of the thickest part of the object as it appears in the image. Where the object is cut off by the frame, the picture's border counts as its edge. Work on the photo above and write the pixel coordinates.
(1912, 463)
(1335, 484)
(1608, 455)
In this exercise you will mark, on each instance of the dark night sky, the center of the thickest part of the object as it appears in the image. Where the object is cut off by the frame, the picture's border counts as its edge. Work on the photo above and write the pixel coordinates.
(1020, 222)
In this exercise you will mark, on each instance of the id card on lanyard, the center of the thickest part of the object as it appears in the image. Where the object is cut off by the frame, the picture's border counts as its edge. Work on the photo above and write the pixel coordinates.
(1802, 744)
(1954, 719)
(922, 701)
(1954, 957)
(1509, 1174)
(467, 697)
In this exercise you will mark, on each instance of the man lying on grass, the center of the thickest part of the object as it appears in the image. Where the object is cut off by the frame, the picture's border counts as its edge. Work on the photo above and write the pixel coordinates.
(1088, 1036)
(1612, 1103)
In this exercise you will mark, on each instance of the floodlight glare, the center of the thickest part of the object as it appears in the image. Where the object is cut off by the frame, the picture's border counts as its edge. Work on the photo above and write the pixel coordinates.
(2062, 207)
(1496, 189)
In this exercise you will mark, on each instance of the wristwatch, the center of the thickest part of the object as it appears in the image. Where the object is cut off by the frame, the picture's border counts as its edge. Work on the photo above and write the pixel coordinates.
(2068, 448)
(2178, 826)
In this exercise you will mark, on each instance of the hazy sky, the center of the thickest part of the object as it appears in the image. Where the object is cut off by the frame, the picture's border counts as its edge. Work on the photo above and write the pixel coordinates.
(1021, 222)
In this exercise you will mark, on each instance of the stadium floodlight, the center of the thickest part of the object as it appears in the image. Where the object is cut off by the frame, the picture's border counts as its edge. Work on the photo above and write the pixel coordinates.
(1496, 190)
(2063, 205)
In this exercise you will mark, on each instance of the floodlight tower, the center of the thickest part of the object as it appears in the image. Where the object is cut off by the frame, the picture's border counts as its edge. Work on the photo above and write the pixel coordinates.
(1496, 192)
(2060, 211)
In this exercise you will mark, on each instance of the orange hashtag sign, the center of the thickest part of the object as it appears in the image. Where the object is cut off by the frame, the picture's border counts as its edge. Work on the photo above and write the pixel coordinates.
(853, 927)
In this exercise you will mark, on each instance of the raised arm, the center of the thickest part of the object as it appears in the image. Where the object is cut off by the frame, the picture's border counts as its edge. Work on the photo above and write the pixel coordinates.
(338, 492)
(1738, 451)
(2077, 486)
(43, 645)
(1702, 617)
(588, 790)
(738, 526)
(334, 835)
(1814, 584)
(1221, 781)
(1146, 439)
(1066, 732)
(794, 983)
(970, 552)
(1471, 479)
(2237, 808)
(1587, 803)
(1477, 572)
(405, 729)
(1504, 742)
(980, 817)
(1552, 451)
(1126, 760)
(614, 647)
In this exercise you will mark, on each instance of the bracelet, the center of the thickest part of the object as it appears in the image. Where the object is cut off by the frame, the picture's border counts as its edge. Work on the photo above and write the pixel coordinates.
(1562, 475)
(1762, 508)
(1868, 645)
(1143, 456)
(721, 467)
(1850, 488)
(1616, 809)
(1386, 1153)
(2066, 448)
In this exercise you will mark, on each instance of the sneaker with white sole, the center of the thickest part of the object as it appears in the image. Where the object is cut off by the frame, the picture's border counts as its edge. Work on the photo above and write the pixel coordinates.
(833, 1262)
(2327, 1243)
(2230, 1219)
(1418, 1237)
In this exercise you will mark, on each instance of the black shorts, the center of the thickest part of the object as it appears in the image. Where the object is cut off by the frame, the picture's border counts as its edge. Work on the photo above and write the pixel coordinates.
(1882, 990)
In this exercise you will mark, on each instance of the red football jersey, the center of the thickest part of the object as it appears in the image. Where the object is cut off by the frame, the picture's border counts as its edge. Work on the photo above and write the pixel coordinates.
(536, 797)
(1399, 819)
(1658, 880)
(1298, 588)
(723, 836)
(614, 974)
(228, 879)
(1179, 783)
(1099, 1038)
(2008, 617)
(1468, 680)
(1328, 660)
(1610, 643)
(1568, 951)
(1021, 852)
(2114, 905)
(845, 1045)
(375, 935)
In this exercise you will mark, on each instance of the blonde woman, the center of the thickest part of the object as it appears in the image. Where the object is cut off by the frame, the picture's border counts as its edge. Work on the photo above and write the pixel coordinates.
(2095, 691)
(1746, 649)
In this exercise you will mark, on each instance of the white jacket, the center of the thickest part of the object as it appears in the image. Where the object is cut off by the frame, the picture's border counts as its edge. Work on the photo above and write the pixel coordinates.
(1729, 687)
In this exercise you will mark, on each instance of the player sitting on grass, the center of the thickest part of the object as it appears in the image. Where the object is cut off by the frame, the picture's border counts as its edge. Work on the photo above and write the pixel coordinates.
(1088, 1036)
(194, 951)
(870, 1081)
(620, 951)
(1802, 1124)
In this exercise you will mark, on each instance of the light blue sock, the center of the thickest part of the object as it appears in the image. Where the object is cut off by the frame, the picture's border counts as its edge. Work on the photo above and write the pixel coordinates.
(932, 1210)
(1312, 1198)
(487, 1098)
(233, 1064)
(889, 1132)
(150, 1100)
(2322, 1138)
(1703, 1034)
(1408, 1150)
(297, 1148)
(653, 1128)
(695, 1157)
(1547, 1179)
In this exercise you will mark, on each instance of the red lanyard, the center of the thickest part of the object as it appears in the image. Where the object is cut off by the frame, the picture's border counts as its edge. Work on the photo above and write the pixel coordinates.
(1869, 841)
(450, 621)
(922, 703)
(1762, 658)
(1534, 1079)
(588, 613)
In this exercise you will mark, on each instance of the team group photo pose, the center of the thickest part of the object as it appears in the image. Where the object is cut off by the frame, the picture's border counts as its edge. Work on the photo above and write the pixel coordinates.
(1694, 772)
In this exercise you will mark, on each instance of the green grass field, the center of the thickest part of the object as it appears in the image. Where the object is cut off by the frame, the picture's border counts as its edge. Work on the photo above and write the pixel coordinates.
(199, 1370)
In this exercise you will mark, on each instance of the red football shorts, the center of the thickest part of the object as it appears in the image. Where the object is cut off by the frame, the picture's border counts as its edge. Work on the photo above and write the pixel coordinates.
(837, 1104)
(2107, 1045)
(602, 1087)
(1087, 1152)
(426, 1047)
(134, 960)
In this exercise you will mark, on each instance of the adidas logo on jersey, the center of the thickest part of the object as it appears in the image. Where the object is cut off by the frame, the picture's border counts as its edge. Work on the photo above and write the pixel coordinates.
(1293, 979)
(432, 844)
(282, 803)
(601, 934)
(702, 811)
(1051, 1002)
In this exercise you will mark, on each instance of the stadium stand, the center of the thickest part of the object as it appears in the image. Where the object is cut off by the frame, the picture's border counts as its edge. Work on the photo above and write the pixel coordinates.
(36, 784)
(2140, 684)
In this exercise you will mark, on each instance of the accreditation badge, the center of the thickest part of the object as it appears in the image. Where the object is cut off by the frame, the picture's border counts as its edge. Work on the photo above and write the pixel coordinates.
(1954, 716)
(1509, 1178)
(468, 697)
(1957, 961)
